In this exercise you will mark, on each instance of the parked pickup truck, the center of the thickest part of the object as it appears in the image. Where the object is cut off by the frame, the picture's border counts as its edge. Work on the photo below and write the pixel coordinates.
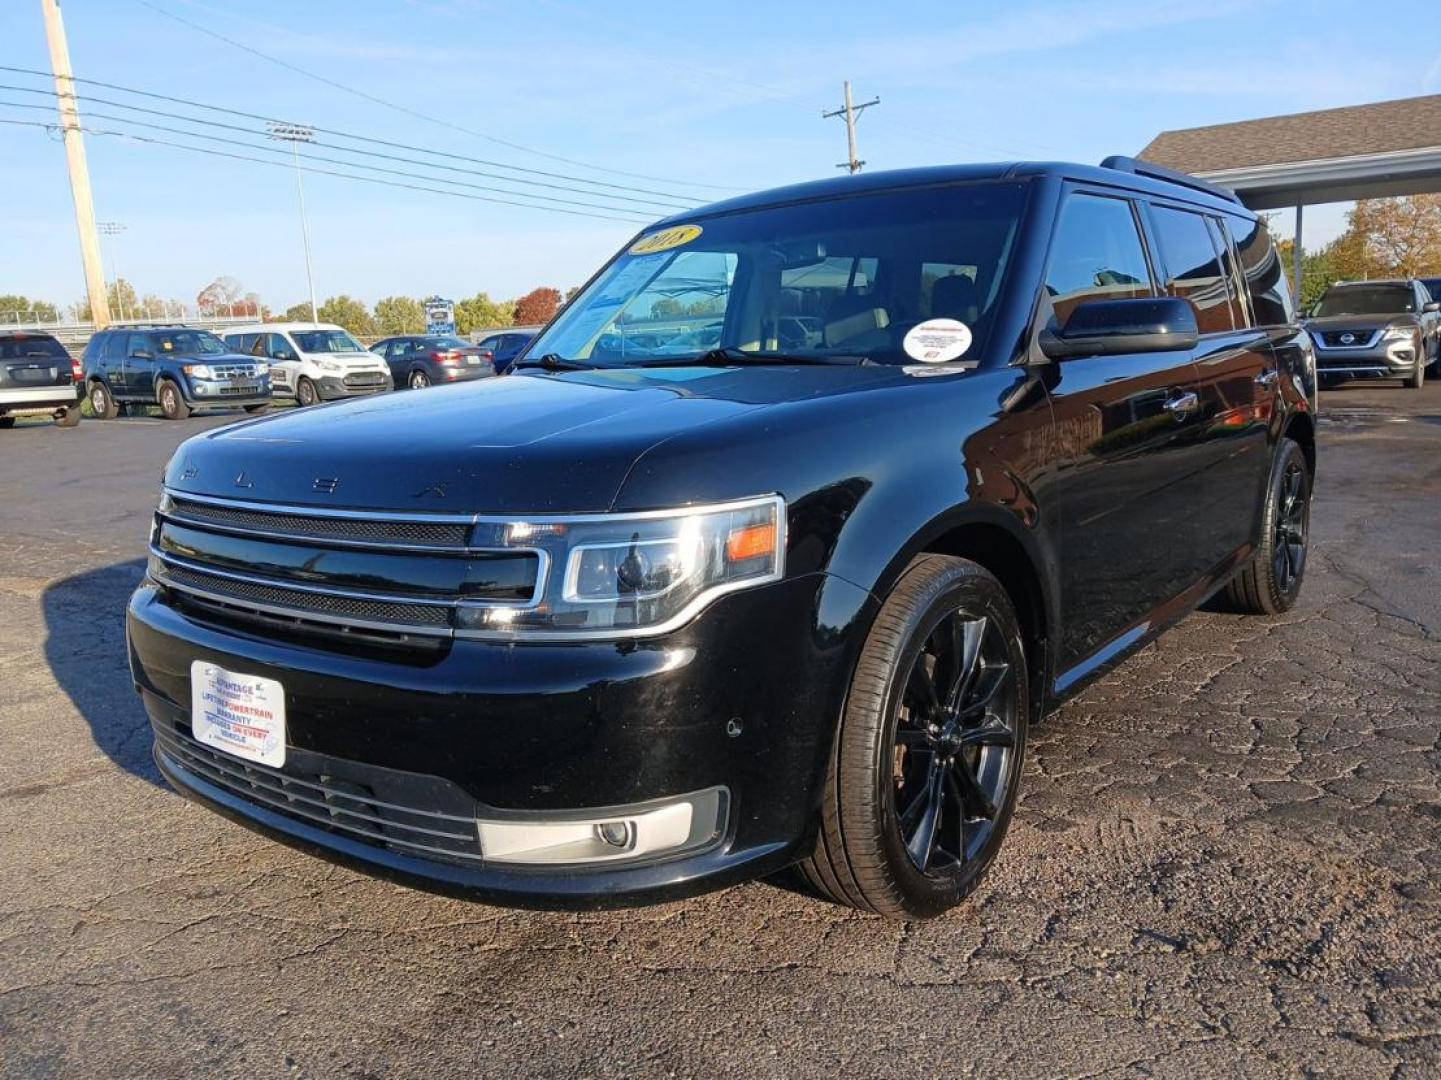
(622, 627)
(37, 375)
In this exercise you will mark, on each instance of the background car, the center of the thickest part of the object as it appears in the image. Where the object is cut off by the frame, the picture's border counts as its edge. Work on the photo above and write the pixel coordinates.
(1433, 286)
(37, 375)
(505, 346)
(424, 360)
(313, 362)
(179, 368)
(1384, 329)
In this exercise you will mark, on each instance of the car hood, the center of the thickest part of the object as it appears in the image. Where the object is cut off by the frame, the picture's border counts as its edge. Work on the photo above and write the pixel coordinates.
(1359, 322)
(528, 443)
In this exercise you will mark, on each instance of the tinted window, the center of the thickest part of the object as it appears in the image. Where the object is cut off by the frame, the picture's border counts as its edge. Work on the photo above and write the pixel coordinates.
(1367, 300)
(138, 343)
(278, 346)
(182, 343)
(441, 341)
(1234, 289)
(17, 348)
(492, 342)
(1192, 267)
(114, 346)
(1264, 275)
(1433, 287)
(326, 341)
(1096, 255)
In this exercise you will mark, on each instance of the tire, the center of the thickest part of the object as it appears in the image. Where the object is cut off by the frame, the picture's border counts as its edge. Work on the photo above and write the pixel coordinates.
(254, 410)
(418, 379)
(1271, 582)
(172, 402)
(1418, 377)
(69, 417)
(102, 402)
(899, 765)
(305, 392)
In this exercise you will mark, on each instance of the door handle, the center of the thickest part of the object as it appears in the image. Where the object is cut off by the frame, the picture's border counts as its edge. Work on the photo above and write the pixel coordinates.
(1182, 405)
(1267, 377)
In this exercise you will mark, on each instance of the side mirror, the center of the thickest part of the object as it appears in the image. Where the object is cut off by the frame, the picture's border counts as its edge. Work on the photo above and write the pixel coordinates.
(1434, 305)
(1113, 327)
(283, 354)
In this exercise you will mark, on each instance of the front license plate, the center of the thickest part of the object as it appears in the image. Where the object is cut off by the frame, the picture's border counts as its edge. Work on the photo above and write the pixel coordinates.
(243, 715)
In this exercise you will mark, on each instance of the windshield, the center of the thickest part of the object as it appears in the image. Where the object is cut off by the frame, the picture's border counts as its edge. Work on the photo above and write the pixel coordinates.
(1367, 300)
(187, 343)
(323, 341)
(847, 277)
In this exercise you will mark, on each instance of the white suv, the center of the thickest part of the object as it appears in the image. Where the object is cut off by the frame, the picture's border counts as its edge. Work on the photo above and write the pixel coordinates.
(313, 361)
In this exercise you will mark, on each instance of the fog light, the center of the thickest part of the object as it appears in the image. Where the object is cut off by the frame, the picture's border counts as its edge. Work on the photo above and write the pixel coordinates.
(653, 829)
(200, 388)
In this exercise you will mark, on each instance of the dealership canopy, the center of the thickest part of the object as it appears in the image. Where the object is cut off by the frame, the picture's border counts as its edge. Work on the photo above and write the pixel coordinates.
(1334, 155)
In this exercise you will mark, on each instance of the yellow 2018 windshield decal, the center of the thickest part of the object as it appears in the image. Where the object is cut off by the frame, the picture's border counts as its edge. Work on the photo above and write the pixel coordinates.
(666, 239)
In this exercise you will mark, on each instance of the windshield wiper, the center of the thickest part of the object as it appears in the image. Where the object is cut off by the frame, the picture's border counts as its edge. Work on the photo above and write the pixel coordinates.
(555, 362)
(728, 356)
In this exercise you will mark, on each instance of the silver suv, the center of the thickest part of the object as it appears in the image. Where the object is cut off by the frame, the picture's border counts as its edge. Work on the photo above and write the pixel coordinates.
(1376, 329)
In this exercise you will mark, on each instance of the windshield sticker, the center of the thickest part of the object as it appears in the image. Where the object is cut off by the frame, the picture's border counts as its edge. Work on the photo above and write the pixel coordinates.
(937, 341)
(674, 237)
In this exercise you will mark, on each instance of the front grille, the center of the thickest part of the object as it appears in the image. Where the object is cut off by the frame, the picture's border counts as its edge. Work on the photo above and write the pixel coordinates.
(378, 531)
(338, 606)
(377, 806)
(233, 391)
(361, 380)
(1361, 339)
(234, 371)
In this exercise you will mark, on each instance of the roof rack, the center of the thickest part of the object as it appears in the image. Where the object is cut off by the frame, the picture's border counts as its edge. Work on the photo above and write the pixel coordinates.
(1122, 163)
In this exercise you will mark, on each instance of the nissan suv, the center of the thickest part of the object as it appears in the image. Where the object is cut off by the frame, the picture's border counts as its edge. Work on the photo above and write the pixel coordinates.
(179, 368)
(622, 627)
(1376, 329)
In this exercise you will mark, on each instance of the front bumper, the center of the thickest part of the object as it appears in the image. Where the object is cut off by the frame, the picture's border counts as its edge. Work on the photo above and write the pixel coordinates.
(210, 393)
(494, 729)
(1385, 360)
(41, 398)
(361, 384)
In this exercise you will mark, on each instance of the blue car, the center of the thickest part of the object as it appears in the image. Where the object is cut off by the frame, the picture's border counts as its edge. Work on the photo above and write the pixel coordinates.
(179, 368)
(505, 346)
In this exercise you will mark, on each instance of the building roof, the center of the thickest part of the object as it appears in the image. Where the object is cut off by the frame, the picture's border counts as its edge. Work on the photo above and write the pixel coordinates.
(1356, 152)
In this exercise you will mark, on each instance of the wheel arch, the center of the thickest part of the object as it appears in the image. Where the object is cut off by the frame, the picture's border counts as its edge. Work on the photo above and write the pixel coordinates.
(1301, 427)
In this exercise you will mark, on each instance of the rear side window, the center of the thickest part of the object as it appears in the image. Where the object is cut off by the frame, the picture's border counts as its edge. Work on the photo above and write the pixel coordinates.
(1261, 268)
(1193, 267)
(1096, 255)
(114, 347)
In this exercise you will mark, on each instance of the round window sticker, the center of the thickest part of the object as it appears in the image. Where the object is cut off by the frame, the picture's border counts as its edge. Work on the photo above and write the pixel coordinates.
(937, 341)
(674, 237)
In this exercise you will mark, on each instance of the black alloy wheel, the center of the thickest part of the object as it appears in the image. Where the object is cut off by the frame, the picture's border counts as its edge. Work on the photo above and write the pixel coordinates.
(926, 767)
(1271, 582)
(418, 380)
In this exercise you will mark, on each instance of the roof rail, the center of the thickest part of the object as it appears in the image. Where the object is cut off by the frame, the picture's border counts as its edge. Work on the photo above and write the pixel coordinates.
(1122, 163)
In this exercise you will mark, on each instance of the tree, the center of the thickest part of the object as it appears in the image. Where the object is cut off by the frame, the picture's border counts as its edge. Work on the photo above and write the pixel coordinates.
(480, 312)
(124, 303)
(399, 315)
(536, 307)
(348, 312)
(298, 313)
(217, 297)
(28, 310)
(1402, 236)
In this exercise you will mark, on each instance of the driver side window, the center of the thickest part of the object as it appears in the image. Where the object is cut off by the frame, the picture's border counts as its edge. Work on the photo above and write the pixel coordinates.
(1096, 254)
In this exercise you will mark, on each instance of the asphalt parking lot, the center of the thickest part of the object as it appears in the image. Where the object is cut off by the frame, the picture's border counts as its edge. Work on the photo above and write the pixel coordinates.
(1226, 862)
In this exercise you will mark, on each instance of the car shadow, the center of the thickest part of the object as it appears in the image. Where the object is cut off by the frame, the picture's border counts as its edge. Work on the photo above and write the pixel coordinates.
(85, 648)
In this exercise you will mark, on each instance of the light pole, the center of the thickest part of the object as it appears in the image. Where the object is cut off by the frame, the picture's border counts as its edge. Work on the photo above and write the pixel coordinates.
(113, 229)
(295, 134)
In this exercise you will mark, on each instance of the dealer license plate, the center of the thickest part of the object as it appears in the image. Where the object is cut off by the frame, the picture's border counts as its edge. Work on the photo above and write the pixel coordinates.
(243, 715)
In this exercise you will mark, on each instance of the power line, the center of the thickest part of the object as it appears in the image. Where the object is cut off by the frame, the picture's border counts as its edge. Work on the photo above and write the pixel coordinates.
(89, 99)
(409, 111)
(188, 103)
(324, 172)
(346, 164)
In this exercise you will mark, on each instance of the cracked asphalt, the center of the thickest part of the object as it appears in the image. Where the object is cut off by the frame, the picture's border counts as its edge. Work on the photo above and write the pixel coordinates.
(1226, 860)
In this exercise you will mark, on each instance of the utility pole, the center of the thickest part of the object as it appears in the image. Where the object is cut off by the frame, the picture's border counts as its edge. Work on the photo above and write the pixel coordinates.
(852, 113)
(113, 229)
(295, 134)
(75, 159)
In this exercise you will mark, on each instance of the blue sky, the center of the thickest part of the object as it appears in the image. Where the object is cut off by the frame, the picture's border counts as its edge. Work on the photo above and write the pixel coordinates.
(727, 95)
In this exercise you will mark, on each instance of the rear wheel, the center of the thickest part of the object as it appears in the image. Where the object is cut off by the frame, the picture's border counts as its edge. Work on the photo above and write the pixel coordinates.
(68, 417)
(418, 380)
(1272, 581)
(927, 763)
(102, 403)
(305, 392)
(172, 404)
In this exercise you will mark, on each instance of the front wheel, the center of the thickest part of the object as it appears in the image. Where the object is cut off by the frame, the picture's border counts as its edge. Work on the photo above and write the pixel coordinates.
(172, 404)
(1271, 582)
(305, 392)
(1418, 377)
(927, 762)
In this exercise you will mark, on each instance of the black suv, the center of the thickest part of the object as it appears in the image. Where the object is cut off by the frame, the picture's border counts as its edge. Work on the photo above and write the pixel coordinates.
(176, 367)
(1376, 329)
(37, 375)
(623, 627)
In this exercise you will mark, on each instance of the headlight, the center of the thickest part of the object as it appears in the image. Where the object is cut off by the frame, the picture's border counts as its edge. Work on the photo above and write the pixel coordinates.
(328, 365)
(629, 575)
(1398, 333)
(200, 371)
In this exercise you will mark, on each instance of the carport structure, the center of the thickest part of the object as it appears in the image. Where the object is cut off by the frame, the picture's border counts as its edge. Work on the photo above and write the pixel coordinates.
(1334, 155)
